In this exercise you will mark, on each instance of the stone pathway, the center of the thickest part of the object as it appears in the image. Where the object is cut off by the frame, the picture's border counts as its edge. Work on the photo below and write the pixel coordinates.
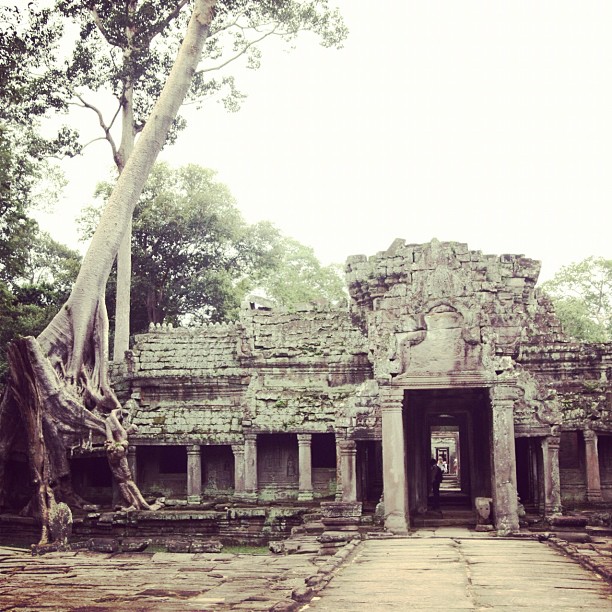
(453, 569)
(439, 569)
(87, 581)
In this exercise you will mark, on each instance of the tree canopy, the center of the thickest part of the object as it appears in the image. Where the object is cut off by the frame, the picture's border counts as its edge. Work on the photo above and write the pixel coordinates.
(582, 295)
(36, 272)
(29, 300)
(299, 277)
(194, 257)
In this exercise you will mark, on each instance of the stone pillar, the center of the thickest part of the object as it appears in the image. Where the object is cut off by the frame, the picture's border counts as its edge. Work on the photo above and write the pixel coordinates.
(338, 471)
(250, 465)
(504, 493)
(305, 466)
(395, 489)
(132, 464)
(593, 478)
(348, 462)
(552, 481)
(194, 474)
(238, 450)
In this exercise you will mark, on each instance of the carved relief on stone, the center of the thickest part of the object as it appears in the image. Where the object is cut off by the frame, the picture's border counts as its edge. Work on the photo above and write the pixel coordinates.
(362, 410)
(538, 404)
(444, 348)
(442, 283)
(291, 466)
(444, 338)
(428, 325)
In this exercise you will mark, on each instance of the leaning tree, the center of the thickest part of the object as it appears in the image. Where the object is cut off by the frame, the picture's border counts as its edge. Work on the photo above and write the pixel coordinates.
(59, 391)
(59, 381)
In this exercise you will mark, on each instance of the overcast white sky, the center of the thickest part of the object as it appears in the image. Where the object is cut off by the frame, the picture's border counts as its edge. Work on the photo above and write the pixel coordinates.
(484, 122)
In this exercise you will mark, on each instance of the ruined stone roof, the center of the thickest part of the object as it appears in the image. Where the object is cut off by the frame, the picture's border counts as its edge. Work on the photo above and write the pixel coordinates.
(437, 309)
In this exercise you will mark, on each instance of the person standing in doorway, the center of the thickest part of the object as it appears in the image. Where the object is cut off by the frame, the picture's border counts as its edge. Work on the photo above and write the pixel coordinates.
(436, 480)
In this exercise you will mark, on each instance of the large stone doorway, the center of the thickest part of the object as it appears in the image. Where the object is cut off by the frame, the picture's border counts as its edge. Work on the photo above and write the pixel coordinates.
(456, 424)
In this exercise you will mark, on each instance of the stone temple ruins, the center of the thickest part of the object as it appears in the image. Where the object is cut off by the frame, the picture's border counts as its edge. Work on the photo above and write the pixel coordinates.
(441, 351)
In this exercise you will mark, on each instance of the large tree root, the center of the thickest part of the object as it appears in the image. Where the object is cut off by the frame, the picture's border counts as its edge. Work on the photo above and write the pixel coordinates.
(28, 398)
(51, 415)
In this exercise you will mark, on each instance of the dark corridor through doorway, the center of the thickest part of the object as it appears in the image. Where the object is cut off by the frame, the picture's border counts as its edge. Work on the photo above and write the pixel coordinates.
(456, 423)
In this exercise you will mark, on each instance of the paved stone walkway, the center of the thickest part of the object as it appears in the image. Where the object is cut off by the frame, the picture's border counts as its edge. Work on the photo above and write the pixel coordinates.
(457, 570)
(142, 582)
(443, 569)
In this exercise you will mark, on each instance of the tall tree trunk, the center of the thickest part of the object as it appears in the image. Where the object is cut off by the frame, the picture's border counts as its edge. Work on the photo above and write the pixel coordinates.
(66, 380)
(121, 341)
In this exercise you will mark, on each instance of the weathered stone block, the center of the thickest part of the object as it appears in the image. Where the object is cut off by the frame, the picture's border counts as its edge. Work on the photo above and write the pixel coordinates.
(340, 509)
(178, 546)
(107, 545)
(210, 546)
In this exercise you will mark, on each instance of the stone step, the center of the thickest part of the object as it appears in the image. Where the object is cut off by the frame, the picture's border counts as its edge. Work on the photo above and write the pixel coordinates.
(314, 527)
(445, 519)
(443, 522)
(601, 532)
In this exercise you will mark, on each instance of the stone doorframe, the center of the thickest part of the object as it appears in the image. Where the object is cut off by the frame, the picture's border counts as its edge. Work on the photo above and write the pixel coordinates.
(395, 485)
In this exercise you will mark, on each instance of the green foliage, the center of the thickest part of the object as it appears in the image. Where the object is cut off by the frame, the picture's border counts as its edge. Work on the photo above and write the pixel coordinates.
(300, 278)
(245, 549)
(29, 38)
(582, 295)
(36, 272)
(195, 259)
(192, 252)
(30, 300)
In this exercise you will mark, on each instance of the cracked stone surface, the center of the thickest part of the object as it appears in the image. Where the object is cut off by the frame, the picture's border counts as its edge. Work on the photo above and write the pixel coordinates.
(461, 571)
(149, 581)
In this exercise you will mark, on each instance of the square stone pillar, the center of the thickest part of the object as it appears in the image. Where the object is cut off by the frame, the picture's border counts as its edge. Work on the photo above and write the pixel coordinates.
(504, 493)
(250, 465)
(348, 463)
(593, 478)
(305, 466)
(338, 471)
(132, 463)
(552, 480)
(395, 488)
(194, 474)
(238, 451)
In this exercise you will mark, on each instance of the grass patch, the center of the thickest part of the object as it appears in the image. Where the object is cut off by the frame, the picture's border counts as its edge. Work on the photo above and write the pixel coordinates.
(155, 548)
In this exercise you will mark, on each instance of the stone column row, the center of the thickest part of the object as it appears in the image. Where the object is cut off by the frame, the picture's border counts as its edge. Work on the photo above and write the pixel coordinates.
(245, 469)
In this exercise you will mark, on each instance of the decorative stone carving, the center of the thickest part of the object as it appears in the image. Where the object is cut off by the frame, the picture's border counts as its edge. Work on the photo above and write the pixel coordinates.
(482, 505)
